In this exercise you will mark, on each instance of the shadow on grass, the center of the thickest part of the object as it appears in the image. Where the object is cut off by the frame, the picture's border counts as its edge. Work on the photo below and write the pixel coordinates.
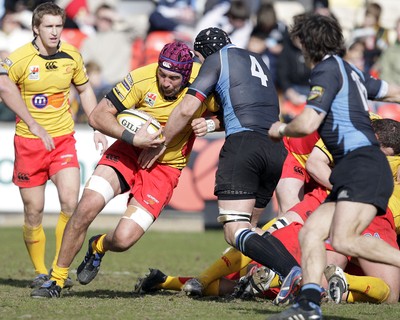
(108, 294)
(274, 310)
(18, 283)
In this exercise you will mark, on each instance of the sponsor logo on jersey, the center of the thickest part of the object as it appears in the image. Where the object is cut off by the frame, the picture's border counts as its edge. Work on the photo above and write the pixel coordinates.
(51, 65)
(8, 62)
(41, 100)
(129, 79)
(126, 85)
(150, 99)
(316, 93)
(33, 73)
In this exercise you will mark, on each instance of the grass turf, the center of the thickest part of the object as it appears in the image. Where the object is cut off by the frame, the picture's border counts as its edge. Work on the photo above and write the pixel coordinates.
(109, 295)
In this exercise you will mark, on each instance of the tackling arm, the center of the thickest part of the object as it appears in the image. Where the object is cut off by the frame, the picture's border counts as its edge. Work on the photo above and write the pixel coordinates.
(177, 120)
(317, 166)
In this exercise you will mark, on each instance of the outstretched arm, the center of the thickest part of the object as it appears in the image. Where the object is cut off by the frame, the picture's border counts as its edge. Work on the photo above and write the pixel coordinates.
(177, 120)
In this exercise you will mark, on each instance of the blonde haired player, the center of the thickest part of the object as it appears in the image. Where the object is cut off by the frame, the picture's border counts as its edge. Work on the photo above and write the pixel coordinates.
(44, 71)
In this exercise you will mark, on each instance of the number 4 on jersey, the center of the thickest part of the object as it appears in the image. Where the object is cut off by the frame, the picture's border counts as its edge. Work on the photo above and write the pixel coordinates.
(257, 71)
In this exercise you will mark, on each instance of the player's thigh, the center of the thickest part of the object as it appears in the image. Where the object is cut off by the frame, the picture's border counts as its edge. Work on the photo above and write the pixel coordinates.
(67, 182)
(351, 218)
(318, 224)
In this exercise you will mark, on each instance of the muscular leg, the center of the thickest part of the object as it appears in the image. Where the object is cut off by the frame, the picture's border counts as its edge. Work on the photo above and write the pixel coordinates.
(263, 250)
(67, 184)
(34, 237)
(350, 220)
(89, 206)
(128, 231)
(312, 237)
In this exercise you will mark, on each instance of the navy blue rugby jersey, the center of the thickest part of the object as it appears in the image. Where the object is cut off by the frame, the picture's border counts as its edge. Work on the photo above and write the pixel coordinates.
(243, 86)
(342, 91)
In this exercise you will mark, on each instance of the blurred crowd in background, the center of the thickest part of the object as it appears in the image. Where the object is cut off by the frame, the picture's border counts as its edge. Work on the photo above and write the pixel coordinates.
(116, 36)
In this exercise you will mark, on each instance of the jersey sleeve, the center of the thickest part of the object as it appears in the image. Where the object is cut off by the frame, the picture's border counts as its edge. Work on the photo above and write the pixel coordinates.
(324, 89)
(208, 76)
(12, 69)
(321, 145)
(80, 76)
(376, 88)
(126, 93)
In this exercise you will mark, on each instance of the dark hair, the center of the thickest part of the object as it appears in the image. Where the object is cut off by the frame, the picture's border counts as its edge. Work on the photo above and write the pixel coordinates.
(388, 133)
(210, 40)
(49, 8)
(239, 10)
(374, 9)
(319, 35)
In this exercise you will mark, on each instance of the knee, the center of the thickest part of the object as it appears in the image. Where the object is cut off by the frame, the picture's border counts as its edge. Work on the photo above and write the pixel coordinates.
(232, 231)
(122, 242)
(343, 245)
(307, 234)
(393, 296)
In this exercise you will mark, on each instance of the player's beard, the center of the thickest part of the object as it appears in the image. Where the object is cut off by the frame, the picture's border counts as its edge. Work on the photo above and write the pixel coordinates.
(170, 94)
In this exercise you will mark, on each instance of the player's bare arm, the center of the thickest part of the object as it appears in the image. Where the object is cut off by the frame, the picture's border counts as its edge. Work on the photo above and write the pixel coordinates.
(305, 123)
(12, 98)
(89, 102)
(103, 118)
(177, 120)
(393, 94)
(317, 166)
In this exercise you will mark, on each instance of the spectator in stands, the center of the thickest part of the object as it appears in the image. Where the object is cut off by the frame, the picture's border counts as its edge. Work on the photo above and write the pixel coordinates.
(322, 7)
(374, 36)
(13, 34)
(388, 64)
(267, 37)
(355, 54)
(178, 16)
(234, 17)
(109, 48)
(293, 75)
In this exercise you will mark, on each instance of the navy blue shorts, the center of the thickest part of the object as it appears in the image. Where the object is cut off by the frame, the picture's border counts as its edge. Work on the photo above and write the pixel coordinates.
(364, 175)
(250, 166)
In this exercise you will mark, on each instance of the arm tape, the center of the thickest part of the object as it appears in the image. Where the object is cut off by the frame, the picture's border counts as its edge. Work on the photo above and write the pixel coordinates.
(210, 125)
(127, 137)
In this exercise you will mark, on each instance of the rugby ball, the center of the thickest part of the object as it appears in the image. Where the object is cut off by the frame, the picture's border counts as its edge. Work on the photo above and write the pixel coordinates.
(133, 119)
